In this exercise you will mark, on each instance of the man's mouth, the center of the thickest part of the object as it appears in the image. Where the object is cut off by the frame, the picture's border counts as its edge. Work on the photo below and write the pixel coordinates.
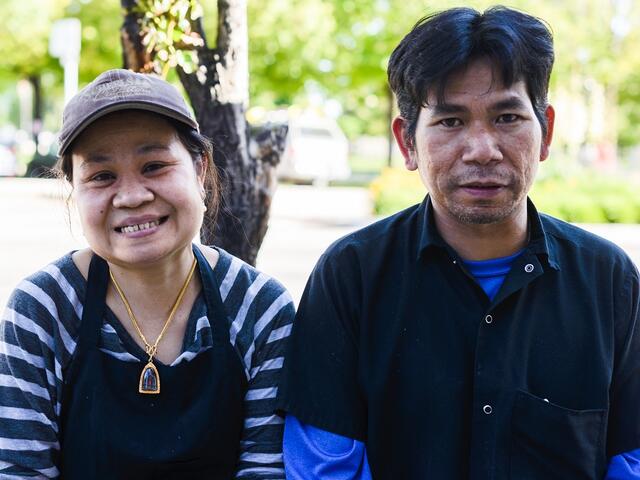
(482, 185)
(137, 227)
(482, 190)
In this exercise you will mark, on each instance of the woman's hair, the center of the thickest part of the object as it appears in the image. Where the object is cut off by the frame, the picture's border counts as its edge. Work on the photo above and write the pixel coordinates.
(199, 147)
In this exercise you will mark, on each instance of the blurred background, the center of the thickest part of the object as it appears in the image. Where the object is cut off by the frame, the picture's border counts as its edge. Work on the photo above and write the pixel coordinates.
(320, 66)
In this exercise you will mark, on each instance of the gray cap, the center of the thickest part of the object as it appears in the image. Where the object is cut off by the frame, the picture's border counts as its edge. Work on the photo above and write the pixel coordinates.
(116, 90)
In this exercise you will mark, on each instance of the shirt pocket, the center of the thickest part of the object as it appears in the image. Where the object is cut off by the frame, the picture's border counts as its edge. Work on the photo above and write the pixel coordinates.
(550, 442)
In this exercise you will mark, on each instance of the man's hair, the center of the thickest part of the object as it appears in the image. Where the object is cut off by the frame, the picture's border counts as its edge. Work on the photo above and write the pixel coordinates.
(519, 46)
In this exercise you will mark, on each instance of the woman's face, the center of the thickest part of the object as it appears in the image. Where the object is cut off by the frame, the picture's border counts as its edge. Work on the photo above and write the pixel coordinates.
(138, 192)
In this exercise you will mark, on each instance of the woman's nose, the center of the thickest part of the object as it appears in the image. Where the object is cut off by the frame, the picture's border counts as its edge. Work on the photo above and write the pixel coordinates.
(132, 194)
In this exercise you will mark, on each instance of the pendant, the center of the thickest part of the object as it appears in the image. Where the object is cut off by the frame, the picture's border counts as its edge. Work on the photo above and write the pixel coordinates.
(149, 380)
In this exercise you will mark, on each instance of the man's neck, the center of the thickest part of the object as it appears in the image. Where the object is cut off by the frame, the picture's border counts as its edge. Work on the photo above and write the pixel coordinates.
(485, 241)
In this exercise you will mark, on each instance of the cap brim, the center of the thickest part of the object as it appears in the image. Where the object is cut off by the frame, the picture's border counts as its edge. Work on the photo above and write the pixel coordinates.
(126, 105)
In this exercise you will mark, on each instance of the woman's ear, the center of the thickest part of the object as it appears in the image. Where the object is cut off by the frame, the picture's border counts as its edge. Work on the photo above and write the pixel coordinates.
(202, 164)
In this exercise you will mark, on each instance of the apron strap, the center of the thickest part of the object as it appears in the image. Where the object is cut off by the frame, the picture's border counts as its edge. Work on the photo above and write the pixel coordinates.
(93, 311)
(215, 308)
(94, 302)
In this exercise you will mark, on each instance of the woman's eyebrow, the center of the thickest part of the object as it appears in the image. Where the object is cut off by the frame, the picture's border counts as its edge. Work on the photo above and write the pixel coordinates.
(147, 147)
(94, 158)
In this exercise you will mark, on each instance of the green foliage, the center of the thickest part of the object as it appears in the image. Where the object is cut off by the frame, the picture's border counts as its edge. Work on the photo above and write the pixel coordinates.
(101, 47)
(168, 33)
(288, 40)
(24, 42)
(585, 197)
(629, 126)
(588, 198)
(396, 189)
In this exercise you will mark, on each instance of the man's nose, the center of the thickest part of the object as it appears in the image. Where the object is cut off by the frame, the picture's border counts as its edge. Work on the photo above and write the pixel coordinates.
(482, 146)
(131, 194)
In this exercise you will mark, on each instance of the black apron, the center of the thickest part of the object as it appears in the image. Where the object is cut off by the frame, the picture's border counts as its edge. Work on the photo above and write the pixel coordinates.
(190, 430)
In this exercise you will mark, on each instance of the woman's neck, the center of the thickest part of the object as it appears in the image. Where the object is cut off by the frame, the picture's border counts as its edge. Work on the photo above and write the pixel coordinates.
(158, 279)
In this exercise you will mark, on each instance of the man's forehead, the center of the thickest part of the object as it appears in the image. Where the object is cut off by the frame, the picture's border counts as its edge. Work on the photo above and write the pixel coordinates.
(497, 104)
(477, 82)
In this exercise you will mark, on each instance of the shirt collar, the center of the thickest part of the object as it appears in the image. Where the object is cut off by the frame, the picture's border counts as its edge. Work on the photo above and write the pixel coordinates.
(429, 237)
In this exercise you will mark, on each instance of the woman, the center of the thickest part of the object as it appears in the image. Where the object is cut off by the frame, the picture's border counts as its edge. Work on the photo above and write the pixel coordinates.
(142, 356)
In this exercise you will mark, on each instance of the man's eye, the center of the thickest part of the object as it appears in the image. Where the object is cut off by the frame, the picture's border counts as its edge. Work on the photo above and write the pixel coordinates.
(508, 118)
(451, 122)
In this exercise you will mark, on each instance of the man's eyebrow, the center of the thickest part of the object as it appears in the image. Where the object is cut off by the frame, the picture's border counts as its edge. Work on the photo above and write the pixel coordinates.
(511, 103)
(446, 109)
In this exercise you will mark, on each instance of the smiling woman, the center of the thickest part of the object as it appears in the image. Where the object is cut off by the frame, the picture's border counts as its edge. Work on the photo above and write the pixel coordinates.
(144, 355)
(126, 160)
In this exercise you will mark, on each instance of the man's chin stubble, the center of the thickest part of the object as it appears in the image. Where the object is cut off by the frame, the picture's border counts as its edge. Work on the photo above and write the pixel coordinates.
(482, 216)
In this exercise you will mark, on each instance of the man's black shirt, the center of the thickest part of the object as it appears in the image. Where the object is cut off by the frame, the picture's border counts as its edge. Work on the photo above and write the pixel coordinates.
(396, 345)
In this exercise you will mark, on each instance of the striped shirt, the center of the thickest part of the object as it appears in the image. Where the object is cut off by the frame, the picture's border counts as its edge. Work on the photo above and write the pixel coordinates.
(38, 335)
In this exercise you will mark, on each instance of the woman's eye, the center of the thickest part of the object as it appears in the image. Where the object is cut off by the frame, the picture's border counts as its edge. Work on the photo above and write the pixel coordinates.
(102, 177)
(451, 122)
(151, 167)
(508, 118)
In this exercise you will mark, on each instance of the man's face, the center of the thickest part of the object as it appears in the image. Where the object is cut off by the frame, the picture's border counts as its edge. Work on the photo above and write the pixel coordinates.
(478, 151)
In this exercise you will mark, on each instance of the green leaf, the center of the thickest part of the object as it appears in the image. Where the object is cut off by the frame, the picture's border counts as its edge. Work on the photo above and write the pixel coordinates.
(162, 55)
(177, 35)
(196, 11)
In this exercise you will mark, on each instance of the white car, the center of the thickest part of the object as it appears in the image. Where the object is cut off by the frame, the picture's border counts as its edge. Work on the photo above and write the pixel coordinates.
(317, 151)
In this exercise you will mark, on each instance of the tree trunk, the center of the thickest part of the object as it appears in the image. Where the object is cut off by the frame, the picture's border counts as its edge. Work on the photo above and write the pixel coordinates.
(218, 90)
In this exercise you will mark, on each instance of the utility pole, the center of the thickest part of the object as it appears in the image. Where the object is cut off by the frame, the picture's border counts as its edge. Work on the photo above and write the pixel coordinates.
(64, 44)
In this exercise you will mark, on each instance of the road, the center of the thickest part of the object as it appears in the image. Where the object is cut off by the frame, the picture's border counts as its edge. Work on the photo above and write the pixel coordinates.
(304, 222)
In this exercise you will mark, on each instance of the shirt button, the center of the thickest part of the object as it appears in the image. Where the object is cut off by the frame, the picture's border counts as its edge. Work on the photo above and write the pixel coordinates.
(488, 319)
(487, 409)
(528, 268)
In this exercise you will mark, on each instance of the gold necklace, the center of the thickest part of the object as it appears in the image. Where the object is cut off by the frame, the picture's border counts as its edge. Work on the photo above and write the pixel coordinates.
(150, 378)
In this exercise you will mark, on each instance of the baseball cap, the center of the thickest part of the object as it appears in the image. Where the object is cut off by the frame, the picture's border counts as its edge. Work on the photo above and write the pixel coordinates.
(116, 90)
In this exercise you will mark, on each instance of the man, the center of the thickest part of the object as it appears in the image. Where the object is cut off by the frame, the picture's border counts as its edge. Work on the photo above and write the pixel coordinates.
(468, 336)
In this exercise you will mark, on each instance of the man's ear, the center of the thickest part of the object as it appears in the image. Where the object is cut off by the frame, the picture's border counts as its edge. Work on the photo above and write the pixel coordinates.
(550, 113)
(405, 144)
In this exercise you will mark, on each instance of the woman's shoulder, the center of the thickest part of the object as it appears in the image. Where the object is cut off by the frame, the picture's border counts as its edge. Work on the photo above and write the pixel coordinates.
(259, 309)
(237, 278)
(46, 306)
(60, 278)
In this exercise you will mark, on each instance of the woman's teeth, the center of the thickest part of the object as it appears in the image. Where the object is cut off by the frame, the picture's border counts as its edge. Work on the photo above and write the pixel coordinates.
(140, 226)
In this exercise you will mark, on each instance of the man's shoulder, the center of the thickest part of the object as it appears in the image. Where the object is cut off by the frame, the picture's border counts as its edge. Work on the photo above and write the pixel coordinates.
(567, 237)
(378, 235)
